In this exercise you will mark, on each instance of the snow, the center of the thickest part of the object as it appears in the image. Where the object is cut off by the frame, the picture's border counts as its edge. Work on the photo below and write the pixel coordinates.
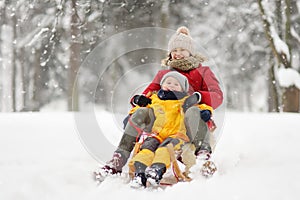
(37, 36)
(280, 45)
(295, 34)
(42, 158)
(288, 77)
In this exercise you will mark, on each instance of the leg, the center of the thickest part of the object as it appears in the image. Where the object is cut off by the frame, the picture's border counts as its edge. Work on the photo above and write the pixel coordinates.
(142, 119)
(162, 154)
(162, 160)
(197, 129)
(145, 155)
(141, 160)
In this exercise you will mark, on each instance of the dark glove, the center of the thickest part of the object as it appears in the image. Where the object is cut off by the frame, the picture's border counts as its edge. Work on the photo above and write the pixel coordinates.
(190, 101)
(141, 100)
(205, 115)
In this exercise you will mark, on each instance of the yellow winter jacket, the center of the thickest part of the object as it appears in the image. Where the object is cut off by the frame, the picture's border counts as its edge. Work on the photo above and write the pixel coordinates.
(169, 117)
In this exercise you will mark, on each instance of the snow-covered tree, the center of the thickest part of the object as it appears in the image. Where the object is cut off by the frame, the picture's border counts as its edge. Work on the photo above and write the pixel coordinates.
(284, 43)
(43, 44)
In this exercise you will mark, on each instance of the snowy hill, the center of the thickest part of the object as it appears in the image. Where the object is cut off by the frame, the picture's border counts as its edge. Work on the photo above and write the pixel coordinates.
(41, 157)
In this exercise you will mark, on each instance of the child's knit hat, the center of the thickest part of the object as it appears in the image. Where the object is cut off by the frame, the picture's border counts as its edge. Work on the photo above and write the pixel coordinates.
(182, 39)
(181, 79)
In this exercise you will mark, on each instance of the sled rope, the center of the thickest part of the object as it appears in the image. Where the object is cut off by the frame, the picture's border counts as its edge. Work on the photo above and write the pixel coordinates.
(212, 127)
(175, 167)
(138, 130)
(136, 149)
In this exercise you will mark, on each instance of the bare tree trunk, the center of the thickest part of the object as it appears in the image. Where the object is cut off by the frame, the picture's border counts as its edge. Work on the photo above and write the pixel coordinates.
(37, 85)
(73, 104)
(273, 94)
(2, 21)
(23, 80)
(14, 68)
(288, 35)
(278, 14)
(164, 13)
(291, 99)
(273, 97)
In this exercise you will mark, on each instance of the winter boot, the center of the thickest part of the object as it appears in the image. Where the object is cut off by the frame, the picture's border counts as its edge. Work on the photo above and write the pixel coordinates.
(155, 172)
(208, 169)
(204, 153)
(114, 166)
(139, 179)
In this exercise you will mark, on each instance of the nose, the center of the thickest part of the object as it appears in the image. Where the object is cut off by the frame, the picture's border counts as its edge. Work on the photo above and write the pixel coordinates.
(177, 55)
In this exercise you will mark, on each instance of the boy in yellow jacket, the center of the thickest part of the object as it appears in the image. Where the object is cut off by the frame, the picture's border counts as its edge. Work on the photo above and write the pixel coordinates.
(168, 127)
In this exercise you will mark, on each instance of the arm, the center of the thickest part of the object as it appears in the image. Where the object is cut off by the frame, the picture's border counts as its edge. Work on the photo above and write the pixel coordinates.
(211, 93)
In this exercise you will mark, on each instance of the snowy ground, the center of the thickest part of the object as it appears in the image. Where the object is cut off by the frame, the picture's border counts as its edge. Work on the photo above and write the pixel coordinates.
(41, 157)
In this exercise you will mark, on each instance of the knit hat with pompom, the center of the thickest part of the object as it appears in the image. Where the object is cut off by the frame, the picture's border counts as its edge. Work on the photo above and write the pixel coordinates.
(182, 39)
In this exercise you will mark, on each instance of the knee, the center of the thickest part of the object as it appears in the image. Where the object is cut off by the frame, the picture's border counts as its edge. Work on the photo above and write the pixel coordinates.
(141, 112)
(193, 116)
(192, 112)
(140, 115)
(150, 143)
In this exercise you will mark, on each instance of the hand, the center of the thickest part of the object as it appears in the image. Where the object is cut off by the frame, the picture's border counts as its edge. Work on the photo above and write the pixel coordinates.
(191, 100)
(141, 100)
(205, 115)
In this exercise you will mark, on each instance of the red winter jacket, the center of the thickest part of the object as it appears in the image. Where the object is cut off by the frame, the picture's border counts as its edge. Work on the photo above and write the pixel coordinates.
(201, 79)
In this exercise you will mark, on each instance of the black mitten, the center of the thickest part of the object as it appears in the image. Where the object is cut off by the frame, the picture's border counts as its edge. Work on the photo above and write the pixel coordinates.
(191, 100)
(141, 100)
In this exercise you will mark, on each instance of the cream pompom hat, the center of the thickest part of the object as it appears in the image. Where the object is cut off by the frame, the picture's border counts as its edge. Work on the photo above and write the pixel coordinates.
(182, 39)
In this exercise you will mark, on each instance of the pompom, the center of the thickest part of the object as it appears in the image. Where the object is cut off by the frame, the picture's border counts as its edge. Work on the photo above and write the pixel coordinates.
(183, 30)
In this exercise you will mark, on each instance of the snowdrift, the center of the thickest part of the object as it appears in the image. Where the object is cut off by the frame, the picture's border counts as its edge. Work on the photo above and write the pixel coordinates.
(41, 157)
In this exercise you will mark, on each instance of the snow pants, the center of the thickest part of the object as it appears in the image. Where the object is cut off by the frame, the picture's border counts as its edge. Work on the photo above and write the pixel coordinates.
(142, 120)
(197, 129)
(154, 152)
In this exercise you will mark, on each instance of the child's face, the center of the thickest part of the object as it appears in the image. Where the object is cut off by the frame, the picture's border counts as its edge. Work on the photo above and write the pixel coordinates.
(171, 84)
(179, 53)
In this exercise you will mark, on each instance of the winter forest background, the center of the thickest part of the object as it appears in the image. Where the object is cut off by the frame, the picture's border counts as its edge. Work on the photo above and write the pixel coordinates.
(254, 44)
